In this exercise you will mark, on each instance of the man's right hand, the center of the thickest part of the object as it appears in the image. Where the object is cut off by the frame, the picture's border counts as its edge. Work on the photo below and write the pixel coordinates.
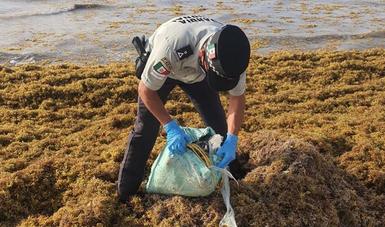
(177, 139)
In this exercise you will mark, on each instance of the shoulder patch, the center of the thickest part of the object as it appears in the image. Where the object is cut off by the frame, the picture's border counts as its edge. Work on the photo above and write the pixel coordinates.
(162, 68)
(211, 51)
(166, 63)
(184, 52)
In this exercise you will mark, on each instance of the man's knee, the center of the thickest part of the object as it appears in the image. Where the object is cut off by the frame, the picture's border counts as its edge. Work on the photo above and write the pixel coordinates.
(219, 125)
(222, 130)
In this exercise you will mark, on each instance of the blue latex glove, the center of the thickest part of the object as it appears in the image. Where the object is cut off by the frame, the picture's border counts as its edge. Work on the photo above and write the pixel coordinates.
(177, 139)
(227, 150)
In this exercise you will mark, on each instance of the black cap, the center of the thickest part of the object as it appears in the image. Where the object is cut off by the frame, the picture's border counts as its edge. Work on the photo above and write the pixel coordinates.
(227, 54)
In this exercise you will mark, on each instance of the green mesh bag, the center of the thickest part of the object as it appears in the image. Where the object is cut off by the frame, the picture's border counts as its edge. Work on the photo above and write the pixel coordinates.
(188, 174)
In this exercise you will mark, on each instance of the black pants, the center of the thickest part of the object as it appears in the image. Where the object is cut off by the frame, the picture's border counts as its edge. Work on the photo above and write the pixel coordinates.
(146, 129)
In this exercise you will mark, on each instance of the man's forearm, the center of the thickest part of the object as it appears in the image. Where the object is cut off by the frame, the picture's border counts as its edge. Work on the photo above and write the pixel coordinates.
(153, 103)
(235, 113)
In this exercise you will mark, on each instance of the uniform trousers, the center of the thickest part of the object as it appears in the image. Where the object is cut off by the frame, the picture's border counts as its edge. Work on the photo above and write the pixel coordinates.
(146, 129)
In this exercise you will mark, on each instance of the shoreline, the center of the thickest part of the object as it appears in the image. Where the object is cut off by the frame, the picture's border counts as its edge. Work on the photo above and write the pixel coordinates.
(258, 48)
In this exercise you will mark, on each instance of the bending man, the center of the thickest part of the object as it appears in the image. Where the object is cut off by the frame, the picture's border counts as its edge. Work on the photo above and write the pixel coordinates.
(202, 57)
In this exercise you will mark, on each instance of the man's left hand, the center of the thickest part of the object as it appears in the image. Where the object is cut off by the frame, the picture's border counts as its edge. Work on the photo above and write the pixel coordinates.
(227, 150)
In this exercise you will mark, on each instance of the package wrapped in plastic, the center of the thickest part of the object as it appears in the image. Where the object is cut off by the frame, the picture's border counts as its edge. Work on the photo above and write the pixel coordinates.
(189, 174)
(194, 172)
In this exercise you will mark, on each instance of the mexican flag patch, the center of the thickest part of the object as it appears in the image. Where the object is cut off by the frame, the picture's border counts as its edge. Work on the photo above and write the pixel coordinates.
(161, 69)
(211, 51)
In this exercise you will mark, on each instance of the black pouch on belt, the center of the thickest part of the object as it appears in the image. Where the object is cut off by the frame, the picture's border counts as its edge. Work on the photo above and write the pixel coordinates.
(141, 60)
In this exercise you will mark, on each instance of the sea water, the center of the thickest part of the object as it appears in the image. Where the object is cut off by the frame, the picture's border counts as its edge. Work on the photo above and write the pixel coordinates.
(100, 31)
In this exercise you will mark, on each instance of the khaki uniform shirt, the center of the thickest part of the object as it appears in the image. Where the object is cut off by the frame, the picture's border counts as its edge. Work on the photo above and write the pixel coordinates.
(174, 50)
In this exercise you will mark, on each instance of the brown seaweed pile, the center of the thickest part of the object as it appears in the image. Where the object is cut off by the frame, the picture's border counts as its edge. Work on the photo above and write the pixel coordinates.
(313, 143)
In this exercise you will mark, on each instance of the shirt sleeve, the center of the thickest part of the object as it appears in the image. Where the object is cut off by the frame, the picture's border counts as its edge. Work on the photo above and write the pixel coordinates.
(241, 86)
(157, 68)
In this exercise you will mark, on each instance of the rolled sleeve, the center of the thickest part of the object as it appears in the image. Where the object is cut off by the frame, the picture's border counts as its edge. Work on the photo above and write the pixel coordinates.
(241, 86)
